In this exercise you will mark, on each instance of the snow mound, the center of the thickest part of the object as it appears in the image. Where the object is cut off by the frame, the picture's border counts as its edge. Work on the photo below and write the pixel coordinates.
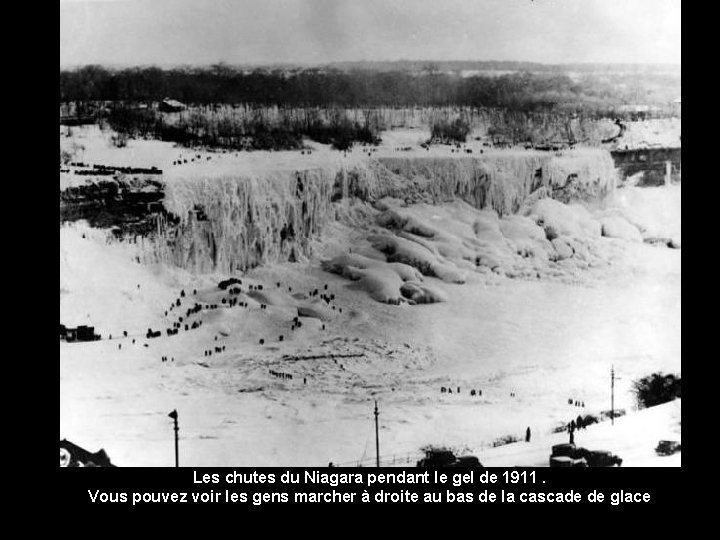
(316, 309)
(560, 219)
(422, 294)
(451, 241)
(618, 227)
(417, 255)
(528, 238)
(563, 248)
(273, 298)
(383, 281)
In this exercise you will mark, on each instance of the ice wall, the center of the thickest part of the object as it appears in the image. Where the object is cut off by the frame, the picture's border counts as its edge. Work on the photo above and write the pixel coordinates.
(229, 223)
(234, 223)
(502, 181)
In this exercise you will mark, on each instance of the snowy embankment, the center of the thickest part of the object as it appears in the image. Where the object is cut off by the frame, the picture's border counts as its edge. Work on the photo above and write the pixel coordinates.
(633, 438)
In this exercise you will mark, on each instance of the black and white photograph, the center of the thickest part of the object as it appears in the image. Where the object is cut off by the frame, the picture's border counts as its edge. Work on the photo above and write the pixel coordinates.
(378, 233)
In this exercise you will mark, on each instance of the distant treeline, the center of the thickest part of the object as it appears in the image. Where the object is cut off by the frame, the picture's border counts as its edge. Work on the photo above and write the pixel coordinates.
(501, 66)
(253, 131)
(524, 91)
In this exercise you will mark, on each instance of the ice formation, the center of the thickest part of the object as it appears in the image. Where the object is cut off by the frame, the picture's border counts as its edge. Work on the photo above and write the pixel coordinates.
(234, 223)
(230, 223)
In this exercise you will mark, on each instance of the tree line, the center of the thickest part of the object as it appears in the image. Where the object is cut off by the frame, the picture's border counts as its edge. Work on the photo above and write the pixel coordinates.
(522, 91)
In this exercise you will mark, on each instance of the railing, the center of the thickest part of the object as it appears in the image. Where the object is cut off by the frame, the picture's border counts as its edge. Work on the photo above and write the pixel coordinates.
(404, 459)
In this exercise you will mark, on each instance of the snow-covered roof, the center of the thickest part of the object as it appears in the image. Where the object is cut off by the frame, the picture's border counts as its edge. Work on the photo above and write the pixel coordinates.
(173, 103)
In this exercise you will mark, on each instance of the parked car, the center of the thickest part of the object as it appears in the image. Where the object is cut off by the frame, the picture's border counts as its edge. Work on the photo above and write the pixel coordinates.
(667, 448)
(600, 458)
(565, 449)
(439, 457)
(466, 461)
(567, 461)
(568, 455)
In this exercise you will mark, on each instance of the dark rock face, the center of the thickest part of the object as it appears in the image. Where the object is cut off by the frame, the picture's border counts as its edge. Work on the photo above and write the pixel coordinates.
(650, 161)
(128, 206)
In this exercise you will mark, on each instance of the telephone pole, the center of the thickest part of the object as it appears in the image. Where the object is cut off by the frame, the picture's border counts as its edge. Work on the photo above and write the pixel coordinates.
(377, 437)
(612, 395)
(174, 416)
(613, 378)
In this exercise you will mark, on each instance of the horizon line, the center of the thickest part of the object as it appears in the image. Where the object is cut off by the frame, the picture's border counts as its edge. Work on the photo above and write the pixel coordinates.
(336, 62)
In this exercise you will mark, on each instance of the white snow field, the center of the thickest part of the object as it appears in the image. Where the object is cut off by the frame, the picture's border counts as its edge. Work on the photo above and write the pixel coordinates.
(532, 307)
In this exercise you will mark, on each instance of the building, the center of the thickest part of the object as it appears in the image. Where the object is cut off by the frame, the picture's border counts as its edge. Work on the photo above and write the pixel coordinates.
(171, 105)
(639, 111)
(81, 333)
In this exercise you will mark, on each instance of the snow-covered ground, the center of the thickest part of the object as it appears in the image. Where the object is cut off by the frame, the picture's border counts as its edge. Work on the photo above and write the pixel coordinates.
(633, 437)
(652, 133)
(528, 344)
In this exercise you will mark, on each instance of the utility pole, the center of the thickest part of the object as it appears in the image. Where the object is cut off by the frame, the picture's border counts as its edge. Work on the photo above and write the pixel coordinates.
(174, 416)
(377, 437)
(613, 378)
(612, 395)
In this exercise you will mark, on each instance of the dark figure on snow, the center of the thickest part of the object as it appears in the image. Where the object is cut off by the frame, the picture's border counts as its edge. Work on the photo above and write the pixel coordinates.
(579, 422)
(527, 434)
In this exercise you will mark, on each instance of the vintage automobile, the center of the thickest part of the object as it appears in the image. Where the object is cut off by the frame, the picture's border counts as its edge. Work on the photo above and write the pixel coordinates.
(568, 455)
(466, 461)
(440, 457)
(600, 458)
(667, 448)
(567, 461)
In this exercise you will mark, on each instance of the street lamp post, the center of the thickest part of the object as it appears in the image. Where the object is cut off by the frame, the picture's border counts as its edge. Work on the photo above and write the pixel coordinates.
(174, 416)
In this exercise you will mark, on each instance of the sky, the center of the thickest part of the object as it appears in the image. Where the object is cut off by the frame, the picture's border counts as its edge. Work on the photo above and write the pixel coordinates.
(203, 32)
